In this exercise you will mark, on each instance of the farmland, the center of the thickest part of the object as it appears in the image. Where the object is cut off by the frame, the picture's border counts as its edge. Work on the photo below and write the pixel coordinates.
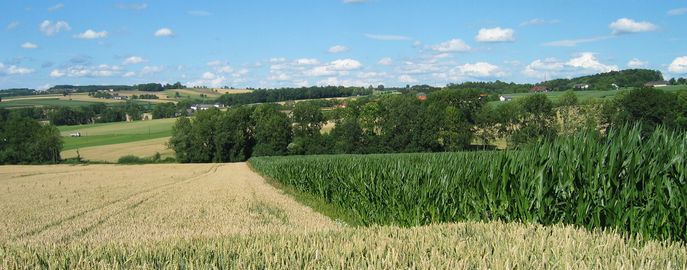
(224, 215)
(115, 133)
(594, 95)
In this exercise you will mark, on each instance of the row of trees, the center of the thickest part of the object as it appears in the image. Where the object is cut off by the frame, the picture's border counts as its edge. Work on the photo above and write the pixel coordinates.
(284, 94)
(156, 87)
(605, 81)
(26, 141)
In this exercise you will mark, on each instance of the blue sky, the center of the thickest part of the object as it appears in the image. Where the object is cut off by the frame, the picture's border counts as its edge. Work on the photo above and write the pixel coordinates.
(334, 42)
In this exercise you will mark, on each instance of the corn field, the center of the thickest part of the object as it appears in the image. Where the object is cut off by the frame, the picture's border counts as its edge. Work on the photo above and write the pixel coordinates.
(625, 181)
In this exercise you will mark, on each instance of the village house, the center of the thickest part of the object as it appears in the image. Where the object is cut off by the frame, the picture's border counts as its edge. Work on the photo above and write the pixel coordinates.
(421, 96)
(505, 98)
(656, 84)
(582, 86)
(204, 107)
(539, 89)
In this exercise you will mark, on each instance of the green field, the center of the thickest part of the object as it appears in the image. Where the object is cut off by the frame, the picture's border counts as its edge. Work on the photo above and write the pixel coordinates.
(593, 94)
(115, 133)
(41, 102)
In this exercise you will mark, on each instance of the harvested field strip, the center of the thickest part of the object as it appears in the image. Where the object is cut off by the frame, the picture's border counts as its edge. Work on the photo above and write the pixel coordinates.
(112, 152)
(100, 204)
(469, 245)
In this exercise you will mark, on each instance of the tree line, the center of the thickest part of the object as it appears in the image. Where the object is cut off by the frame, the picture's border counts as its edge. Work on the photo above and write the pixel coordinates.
(284, 94)
(448, 120)
(26, 141)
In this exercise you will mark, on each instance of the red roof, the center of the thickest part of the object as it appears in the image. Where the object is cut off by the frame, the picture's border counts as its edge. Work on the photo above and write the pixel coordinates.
(540, 88)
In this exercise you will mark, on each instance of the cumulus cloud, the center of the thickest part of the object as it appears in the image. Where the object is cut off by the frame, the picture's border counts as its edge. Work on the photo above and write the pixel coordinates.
(453, 45)
(87, 71)
(538, 21)
(91, 34)
(12, 25)
(164, 32)
(132, 6)
(29, 45)
(209, 79)
(151, 69)
(679, 65)
(49, 28)
(133, 60)
(497, 34)
(636, 63)
(479, 69)
(56, 7)
(387, 37)
(129, 74)
(340, 66)
(627, 26)
(677, 11)
(338, 49)
(307, 61)
(14, 70)
(385, 61)
(582, 64)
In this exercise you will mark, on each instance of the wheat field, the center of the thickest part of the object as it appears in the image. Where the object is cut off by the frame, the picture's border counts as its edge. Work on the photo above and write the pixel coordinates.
(219, 216)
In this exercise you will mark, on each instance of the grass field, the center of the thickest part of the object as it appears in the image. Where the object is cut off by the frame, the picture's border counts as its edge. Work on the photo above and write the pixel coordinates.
(112, 152)
(225, 216)
(593, 94)
(41, 102)
(116, 133)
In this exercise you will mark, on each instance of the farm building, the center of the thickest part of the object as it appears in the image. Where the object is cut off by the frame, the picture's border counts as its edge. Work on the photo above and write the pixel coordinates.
(120, 97)
(421, 96)
(582, 86)
(204, 107)
(656, 84)
(539, 89)
(505, 98)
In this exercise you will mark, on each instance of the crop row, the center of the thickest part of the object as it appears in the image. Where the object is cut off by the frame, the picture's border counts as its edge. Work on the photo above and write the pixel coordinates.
(625, 180)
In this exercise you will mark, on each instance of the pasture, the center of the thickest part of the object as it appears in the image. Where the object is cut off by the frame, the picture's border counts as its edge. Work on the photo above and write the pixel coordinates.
(115, 133)
(225, 216)
(592, 95)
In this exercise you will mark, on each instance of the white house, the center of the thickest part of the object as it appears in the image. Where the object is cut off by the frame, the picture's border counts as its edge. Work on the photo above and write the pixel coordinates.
(656, 84)
(505, 98)
(582, 86)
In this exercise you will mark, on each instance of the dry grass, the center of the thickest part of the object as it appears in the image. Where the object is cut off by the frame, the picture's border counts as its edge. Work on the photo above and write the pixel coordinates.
(232, 91)
(105, 204)
(112, 152)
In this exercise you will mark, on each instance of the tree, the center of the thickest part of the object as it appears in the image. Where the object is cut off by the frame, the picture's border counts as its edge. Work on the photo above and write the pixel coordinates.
(455, 134)
(272, 131)
(650, 107)
(234, 139)
(569, 98)
(307, 119)
(537, 121)
(26, 141)
(182, 140)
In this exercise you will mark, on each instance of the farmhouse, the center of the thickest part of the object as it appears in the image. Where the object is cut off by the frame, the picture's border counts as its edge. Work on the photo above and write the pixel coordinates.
(539, 89)
(582, 86)
(204, 107)
(656, 84)
(421, 96)
(120, 97)
(505, 98)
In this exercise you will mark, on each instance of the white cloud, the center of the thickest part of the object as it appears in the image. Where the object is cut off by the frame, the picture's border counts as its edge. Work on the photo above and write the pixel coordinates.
(225, 69)
(132, 6)
(151, 69)
(129, 74)
(582, 64)
(277, 59)
(340, 66)
(575, 42)
(14, 70)
(56, 73)
(407, 79)
(636, 63)
(87, 71)
(626, 26)
(588, 61)
(479, 69)
(49, 29)
(133, 60)
(497, 34)
(91, 34)
(199, 13)
(354, 1)
(209, 79)
(387, 37)
(677, 11)
(307, 61)
(164, 32)
(453, 45)
(538, 21)
(11, 26)
(56, 7)
(338, 49)
(679, 65)
(29, 45)
(385, 61)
